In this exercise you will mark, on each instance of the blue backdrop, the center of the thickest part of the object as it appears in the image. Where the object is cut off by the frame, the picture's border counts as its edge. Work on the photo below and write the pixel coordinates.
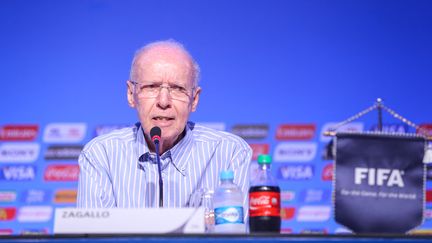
(263, 63)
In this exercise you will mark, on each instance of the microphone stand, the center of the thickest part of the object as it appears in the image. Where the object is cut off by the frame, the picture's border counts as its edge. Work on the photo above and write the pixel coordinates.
(156, 142)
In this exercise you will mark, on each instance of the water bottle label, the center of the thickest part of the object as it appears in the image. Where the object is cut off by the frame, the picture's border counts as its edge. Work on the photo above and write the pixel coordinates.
(229, 215)
(264, 204)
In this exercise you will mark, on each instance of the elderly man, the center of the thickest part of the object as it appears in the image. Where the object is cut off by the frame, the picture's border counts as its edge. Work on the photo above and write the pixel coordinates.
(120, 169)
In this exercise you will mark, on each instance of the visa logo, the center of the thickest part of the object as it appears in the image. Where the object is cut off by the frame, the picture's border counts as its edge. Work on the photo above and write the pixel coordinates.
(17, 172)
(295, 172)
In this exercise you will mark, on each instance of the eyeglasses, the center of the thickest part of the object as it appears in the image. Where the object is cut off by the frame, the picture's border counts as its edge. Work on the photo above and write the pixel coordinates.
(152, 90)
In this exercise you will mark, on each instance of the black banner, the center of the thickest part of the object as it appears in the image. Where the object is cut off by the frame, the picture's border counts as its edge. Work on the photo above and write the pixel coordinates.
(379, 182)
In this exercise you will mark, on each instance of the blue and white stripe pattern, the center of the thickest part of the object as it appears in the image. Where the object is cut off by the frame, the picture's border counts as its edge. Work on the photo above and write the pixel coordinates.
(117, 169)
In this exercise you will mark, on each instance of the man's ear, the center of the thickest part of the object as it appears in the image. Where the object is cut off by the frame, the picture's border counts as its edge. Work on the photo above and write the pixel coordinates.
(196, 99)
(130, 96)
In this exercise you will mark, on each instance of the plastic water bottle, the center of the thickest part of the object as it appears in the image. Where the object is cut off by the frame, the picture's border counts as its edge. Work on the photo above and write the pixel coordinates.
(228, 206)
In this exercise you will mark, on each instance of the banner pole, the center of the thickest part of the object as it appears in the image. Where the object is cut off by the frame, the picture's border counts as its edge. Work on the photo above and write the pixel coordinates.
(379, 108)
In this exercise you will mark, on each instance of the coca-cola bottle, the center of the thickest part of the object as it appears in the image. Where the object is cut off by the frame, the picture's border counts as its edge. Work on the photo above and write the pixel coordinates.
(264, 199)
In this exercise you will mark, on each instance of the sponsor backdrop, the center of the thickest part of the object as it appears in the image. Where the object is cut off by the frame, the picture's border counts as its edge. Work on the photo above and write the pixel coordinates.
(277, 73)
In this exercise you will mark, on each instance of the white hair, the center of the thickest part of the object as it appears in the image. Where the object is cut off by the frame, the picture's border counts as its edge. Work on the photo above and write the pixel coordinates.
(166, 43)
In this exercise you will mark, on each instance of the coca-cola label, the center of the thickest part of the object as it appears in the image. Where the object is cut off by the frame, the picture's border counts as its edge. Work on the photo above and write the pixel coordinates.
(264, 204)
(61, 173)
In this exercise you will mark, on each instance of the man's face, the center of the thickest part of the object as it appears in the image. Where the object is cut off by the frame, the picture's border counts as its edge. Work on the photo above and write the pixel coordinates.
(168, 67)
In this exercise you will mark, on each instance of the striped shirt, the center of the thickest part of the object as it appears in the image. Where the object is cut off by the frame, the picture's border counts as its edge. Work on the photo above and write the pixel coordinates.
(118, 170)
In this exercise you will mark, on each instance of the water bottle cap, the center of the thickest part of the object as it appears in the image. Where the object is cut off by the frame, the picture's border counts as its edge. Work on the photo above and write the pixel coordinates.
(264, 159)
(226, 175)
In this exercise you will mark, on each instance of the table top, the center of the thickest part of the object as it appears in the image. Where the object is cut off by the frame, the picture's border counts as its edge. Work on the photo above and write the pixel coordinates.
(256, 238)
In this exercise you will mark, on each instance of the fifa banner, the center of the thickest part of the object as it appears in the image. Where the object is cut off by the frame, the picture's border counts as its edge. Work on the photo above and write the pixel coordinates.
(379, 182)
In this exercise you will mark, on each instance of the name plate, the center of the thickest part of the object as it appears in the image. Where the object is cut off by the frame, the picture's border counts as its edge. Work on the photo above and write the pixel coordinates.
(128, 220)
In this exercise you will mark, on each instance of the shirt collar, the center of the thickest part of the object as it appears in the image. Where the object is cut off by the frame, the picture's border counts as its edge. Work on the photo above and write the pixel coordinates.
(142, 147)
(183, 147)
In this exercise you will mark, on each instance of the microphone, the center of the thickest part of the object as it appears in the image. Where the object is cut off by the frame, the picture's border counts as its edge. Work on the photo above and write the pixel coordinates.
(155, 134)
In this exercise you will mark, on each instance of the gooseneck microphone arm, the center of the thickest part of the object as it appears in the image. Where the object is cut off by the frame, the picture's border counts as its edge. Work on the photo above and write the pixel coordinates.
(155, 134)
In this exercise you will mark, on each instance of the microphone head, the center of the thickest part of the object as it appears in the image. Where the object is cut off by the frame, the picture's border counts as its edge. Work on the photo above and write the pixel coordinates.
(155, 134)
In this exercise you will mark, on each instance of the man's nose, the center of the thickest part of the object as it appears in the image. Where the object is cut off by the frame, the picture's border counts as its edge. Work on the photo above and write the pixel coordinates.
(164, 98)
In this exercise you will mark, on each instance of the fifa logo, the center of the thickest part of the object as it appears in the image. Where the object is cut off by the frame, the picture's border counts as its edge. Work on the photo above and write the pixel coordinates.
(379, 177)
